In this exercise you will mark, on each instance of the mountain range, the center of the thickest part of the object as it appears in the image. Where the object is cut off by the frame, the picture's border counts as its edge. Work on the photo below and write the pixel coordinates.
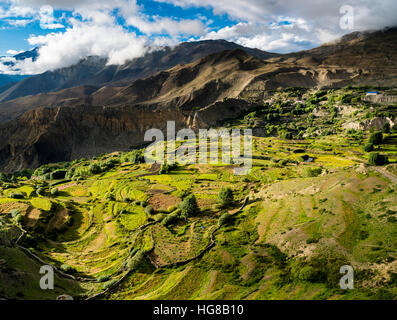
(93, 108)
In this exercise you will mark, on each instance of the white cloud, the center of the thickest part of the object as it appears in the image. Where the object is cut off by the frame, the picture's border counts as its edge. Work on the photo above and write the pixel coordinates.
(63, 49)
(47, 19)
(14, 52)
(276, 37)
(161, 25)
(19, 22)
(312, 22)
(279, 26)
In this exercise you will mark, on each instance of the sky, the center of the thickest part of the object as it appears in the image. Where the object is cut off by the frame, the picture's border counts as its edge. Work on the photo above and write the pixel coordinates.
(68, 30)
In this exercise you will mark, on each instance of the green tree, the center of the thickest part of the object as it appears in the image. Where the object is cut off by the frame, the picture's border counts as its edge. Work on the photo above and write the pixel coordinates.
(189, 206)
(58, 175)
(386, 128)
(376, 138)
(369, 147)
(95, 168)
(224, 219)
(171, 218)
(377, 159)
(137, 156)
(225, 197)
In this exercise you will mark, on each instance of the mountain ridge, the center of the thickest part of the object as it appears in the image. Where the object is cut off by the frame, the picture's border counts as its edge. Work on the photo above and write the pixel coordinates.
(97, 72)
(84, 121)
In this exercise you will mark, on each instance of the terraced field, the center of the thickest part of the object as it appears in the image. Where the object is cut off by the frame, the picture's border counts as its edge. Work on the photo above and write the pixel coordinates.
(307, 207)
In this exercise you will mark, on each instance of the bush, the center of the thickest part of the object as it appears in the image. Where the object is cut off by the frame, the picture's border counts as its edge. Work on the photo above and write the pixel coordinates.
(149, 210)
(304, 158)
(103, 278)
(67, 269)
(137, 260)
(170, 219)
(15, 195)
(376, 138)
(313, 172)
(189, 206)
(58, 175)
(166, 168)
(109, 284)
(224, 219)
(377, 159)
(225, 197)
(3, 177)
(386, 128)
(369, 147)
(95, 168)
(308, 273)
(54, 192)
(137, 156)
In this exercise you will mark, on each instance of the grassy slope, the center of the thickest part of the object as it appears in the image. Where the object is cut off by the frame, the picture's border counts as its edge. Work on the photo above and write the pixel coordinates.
(288, 243)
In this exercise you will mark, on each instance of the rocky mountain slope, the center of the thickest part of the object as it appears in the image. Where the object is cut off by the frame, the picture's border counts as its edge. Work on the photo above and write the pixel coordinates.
(89, 120)
(95, 71)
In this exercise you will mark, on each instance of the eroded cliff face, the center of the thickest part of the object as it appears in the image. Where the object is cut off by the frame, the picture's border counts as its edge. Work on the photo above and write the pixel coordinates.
(48, 135)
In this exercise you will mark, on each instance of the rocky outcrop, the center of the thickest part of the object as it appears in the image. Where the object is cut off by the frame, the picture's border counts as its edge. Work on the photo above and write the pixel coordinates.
(375, 123)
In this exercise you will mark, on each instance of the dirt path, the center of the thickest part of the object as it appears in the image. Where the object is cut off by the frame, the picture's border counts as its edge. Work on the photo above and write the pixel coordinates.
(386, 174)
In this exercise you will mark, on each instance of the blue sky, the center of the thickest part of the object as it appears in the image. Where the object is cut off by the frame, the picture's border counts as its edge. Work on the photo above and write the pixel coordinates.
(68, 30)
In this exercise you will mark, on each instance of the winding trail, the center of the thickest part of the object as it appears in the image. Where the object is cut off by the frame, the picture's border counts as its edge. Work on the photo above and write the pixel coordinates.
(125, 275)
(386, 174)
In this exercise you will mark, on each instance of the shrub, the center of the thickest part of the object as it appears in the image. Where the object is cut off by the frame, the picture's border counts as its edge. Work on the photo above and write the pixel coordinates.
(149, 210)
(3, 177)
(224, 219)
(376, 138)
(58, 175)
(109, 284)
(369, 147)
(137, 156)
(170, 219)
(377, 159)
(308, 273)
(17, 195)
(137, 260)
(392, 219)
(284, 134)
(166, 168)
(313, 172)
(103, 278)
(189, 206)
(54, 192)
(111, 197)
(67, 269)
(95, 168)
(386, 128)
(225, 197)
(304, 158)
